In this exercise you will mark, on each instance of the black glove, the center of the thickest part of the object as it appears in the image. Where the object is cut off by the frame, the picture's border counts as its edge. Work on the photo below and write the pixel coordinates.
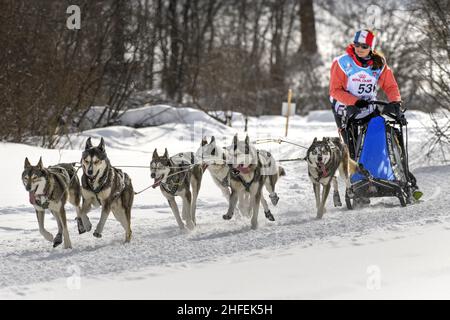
(361, 103)
(396, 107)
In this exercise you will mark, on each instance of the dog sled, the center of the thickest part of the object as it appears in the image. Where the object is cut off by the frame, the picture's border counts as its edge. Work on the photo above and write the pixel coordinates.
(379, 144)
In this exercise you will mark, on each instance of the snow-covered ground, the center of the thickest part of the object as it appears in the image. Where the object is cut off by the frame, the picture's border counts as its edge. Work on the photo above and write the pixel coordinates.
(383, 251)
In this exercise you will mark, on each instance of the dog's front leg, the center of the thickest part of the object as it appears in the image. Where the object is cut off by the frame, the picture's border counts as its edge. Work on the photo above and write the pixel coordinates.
(231, 205)
(270, 186)
(173, 205)
(187, 202)
(267, 212)
(60, 216)
(106, 208)
(244, 204)
(345, 173)
(84, 224)
(196, 184)
(255, 200)
(336, 198)
(40, 214)
(325, 192)
(316, 188)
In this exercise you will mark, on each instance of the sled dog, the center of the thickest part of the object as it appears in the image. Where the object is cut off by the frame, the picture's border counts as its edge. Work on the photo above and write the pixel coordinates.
(50, 188)
(216, 159)
(249, 172)
(106, 186)
(325, 157)
(178, 175)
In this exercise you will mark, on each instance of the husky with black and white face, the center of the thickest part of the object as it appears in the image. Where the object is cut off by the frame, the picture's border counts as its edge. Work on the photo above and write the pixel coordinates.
(217, 160)
(50, 188)
(325, 158)
(181, 176)
(104, 185)
(247, 177)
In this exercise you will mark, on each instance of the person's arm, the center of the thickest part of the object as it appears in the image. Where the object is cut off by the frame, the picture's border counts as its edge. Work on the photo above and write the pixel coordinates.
(338, 83)
(389, 85)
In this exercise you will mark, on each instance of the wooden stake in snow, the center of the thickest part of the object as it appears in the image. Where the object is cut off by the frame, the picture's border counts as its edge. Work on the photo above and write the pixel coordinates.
(288, 111)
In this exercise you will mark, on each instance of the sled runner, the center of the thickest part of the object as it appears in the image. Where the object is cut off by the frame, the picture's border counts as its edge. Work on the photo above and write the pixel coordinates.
(380, 147)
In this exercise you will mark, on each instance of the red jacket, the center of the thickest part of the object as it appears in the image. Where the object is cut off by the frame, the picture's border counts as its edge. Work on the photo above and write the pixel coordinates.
(338, 82)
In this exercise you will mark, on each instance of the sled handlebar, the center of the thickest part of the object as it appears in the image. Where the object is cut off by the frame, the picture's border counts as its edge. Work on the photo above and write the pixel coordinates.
(391, 110)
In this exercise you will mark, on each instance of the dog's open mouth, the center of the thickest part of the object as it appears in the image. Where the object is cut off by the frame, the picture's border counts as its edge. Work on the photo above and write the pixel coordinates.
(32, 196)
(243, 169)
(157, 181)
(322, 168)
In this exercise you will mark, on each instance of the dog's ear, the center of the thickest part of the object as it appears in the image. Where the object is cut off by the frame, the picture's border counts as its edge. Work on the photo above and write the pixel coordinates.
(247, 145)
(27, 163)
(155, 154)
(101, 146)
(40, 165)
(88, 144)
(166, 153)
(204, 141)
(315, 140)
(212, 139)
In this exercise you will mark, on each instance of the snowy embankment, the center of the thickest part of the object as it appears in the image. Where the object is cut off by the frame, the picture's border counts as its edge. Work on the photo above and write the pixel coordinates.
(383, 251)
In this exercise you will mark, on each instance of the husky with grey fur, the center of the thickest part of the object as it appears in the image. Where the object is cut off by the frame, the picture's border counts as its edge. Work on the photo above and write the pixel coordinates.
(325, 158)
(178, 175)
(50, 188)
(249, 172)
(217, 161)
(106, 186)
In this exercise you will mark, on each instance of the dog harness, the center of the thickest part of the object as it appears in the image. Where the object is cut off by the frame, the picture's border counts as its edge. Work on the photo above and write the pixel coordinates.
(174, 182)
(235, 174)
(43, 200)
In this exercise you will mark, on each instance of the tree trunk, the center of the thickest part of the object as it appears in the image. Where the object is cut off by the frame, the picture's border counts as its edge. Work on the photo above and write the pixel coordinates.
(307, 27)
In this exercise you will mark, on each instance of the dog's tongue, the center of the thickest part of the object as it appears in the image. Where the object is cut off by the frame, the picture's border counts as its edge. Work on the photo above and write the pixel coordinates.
(323, 168)
(243, 169)
(156, 183)
(32, 197)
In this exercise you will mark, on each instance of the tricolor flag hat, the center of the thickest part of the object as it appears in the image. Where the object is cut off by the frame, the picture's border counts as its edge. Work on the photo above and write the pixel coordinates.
(365, 36)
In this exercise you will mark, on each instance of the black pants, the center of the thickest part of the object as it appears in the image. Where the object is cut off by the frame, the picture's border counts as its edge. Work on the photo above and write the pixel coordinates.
(349, 132)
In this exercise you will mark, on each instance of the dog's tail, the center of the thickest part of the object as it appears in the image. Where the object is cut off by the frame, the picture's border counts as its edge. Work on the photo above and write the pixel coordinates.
(281, 171)
(353, 166)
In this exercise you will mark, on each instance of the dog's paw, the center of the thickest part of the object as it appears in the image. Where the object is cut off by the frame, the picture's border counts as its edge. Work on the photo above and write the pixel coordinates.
(269, 215)
(48, 236)
(320, 213)
(80, 226)
(349, 193)
(190, 225)
(337, 200)
(227, 216)
(97, 234)
(58, 240)
(274, 198)
(88, 226)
